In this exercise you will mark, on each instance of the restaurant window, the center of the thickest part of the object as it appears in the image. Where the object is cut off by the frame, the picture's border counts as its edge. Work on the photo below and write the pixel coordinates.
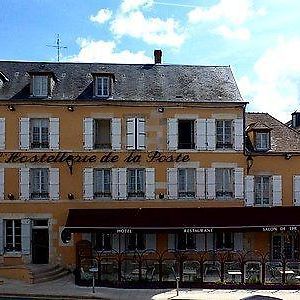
(262, 141)
(102, 183)
(39, 183)
(224, 240)
(262, 190)
(102, 86)
(40, 85)
(12, 235)
(186, 134)
(102, 134)
(39, 133)
(186, 183)
(136, 241)
(186, 241)
(285, 245)
(102, 241)
(224, 183)
(136, 183)
(224, 137)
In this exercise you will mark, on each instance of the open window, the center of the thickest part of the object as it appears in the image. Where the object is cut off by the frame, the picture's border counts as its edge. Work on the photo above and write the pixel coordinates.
(102, 133)
(186, 134)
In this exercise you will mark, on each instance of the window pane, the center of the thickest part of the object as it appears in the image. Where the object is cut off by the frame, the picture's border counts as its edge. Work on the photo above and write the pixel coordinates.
(39, 183)
(136, 182)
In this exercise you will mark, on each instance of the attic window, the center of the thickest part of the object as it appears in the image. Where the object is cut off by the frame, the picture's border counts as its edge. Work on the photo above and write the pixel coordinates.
(262, 140)
(40, 85)
(103, 85)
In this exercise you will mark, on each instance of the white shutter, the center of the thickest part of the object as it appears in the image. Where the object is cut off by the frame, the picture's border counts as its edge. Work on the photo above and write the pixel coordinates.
(88, 133)
(200, 241)
(24, 183)
(210, 241)
(150, 183)
(239, 183)
(1, 236)
(88, 183)
(2, 133)
(200, 183)
(211, 183)
(115, 183)
(238, 134)
(296, 188)
(54, 183)
(54, 133)
(24, 133)
(130, 127)
(172, 136)
(1, 183)
(141, 134)
(249, 190)
(238, 240)
(201, 134)
(26, 236)
(277, 190)
(211, 134)
(122, 183)
(116, 134)
(172, 183)
(171, 241)
(151, 241)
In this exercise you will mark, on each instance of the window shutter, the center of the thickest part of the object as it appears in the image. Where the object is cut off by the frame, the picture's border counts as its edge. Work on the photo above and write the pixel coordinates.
(1, 236)
(54, 133)
(200, 183)
(238, 134)
(151, 241)
(88, 133)
(141, 134)
(116, 134)
(114, 183)
(201, 134)
(239, 183)
(200, 241)
(122, 183)
(277, 190)
(130, 125)
(172, 183)
(24, 183)
(54, 183)
(211, 183)
(1, 183)
(2, 133)
(171, 241)
(238, 240)
(150, 183)
(88, 183)
(211, 134)
(249, 190)
(296, 187)
(172, 138)
(210, 241)
(26, 236)
(24, 133)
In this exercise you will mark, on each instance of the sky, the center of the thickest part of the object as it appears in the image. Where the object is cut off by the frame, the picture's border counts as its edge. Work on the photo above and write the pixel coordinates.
(259, 39)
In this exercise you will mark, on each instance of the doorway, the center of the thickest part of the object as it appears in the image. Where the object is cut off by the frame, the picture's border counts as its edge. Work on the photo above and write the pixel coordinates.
(40, 242)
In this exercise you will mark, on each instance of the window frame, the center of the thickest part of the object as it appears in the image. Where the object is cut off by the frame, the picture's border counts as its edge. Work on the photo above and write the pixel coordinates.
(136, 193)
(13, 249)
(225, 194)
(261, 190)
(295, 245)
(261, 133)
(102, 194)
(39, 124)
(223, 243)
(186, 173)
(222, 144)
(40, 194)
(37, 79)
(100, 79)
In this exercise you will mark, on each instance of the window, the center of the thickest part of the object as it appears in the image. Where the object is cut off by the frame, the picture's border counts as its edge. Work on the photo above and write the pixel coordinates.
(224, 240)
(136, 241)
(102, 241)
(224, 183)
(102, 183)
(186, 183)
(136, 183)
(186, 134)
(285, 245)
(40, 85)
(39, 133)
(186, 241)
(12, 235)
(262, 190)
(262, 141)
(102, 134)
(102, 88)
(39, 183)
(224, 134)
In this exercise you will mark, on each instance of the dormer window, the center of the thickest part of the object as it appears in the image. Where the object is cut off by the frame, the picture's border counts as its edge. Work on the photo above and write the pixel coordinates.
(40, 85)
(262, 140)
(102, 85)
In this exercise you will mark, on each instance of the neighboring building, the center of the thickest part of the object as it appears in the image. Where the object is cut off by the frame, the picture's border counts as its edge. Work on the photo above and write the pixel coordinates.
(137, 158)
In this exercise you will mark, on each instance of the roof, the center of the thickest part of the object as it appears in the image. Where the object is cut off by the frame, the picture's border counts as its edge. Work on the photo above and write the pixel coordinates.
(181, 218)
(133, 82)
(283, 138)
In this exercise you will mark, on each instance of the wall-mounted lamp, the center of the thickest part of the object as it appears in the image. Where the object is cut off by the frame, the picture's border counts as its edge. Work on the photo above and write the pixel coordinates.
(287, 156)
(11, 108)
(10, 196)
(160, 109)
(161, 196)
(70, 196)
(70, 108)
(249, 163)
(70, 163)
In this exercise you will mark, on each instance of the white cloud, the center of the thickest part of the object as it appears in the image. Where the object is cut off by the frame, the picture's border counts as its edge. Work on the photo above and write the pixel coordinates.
(105, 51)
(276, 87)
(102, 16)
(130, 5)
(150, 30)
(228, 33)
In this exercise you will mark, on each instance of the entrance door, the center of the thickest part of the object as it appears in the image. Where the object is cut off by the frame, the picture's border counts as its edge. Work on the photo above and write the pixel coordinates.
(40, 246)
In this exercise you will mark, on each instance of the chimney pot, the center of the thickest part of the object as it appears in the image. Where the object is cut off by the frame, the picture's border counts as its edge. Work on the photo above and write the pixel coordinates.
(157, 56)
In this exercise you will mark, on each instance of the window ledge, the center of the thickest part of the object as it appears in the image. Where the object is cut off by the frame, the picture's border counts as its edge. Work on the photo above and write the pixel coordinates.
(12, 254)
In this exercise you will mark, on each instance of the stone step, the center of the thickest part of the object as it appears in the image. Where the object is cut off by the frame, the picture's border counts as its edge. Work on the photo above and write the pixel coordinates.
(52, 277)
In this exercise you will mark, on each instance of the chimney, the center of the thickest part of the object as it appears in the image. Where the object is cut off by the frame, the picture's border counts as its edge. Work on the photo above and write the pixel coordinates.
(295, 119)
(157, 56)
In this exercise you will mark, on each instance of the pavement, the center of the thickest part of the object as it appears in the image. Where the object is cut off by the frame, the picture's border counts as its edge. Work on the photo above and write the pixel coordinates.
(64, 288)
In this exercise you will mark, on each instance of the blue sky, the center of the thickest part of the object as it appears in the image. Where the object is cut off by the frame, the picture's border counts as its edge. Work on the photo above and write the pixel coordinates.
(260, 39)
